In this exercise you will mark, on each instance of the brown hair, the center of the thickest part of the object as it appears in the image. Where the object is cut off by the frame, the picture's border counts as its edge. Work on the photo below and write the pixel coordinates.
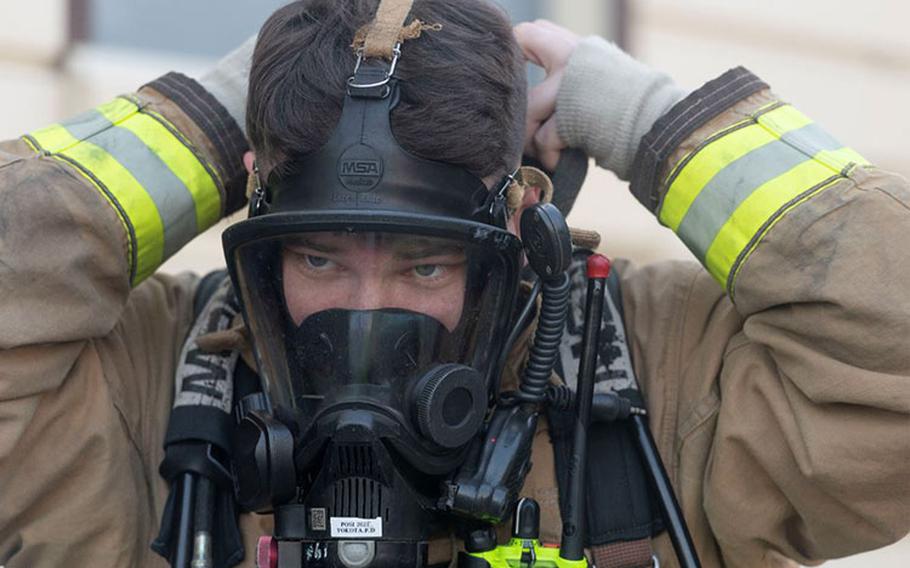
(463, 90)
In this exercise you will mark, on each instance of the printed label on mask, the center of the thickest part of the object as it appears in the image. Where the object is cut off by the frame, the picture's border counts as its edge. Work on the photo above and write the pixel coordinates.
(344, 527)
(317, 519)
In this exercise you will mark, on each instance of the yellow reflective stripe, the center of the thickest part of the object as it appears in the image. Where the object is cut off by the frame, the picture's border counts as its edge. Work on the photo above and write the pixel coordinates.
(725, 195)
(150, 128)
(59, 136)
(783, 119)
(183, 163)
(133, 199)
(717, 155)
(213, 172)
(841, 158)
(146, 170)
(121, 216)
(53, 138)
(117, 110)
(757, 209)
(31, 144)
(766, 228)
(119, 184)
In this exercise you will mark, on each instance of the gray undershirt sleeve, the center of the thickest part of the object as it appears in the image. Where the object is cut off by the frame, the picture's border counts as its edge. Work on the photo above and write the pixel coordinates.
(228, 81)
(608, 101)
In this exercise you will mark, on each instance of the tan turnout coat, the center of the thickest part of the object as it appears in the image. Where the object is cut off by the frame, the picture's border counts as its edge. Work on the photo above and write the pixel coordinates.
(782, 417)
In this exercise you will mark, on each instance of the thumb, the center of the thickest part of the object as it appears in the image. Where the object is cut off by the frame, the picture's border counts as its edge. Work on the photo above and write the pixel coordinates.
(545, 44)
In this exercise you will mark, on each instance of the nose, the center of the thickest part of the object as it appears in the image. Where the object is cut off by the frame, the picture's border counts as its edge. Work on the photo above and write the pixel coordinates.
(369, 294)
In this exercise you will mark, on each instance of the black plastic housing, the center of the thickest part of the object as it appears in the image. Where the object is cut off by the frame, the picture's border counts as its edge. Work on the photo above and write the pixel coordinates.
(263, 463)
(547, 241)
(487, 487)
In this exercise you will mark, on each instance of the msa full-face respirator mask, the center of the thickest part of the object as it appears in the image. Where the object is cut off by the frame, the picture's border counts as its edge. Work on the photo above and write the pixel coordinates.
(381, 293)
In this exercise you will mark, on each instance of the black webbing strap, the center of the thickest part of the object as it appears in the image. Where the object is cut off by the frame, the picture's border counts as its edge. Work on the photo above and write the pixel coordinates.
(198, 438)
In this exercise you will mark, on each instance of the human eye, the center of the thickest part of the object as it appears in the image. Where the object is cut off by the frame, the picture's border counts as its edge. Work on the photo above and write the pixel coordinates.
(429, 271)
(435, 273)
(311, 262)
(316, 262)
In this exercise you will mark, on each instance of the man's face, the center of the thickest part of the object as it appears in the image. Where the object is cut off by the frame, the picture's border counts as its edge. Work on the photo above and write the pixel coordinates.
(369, 271)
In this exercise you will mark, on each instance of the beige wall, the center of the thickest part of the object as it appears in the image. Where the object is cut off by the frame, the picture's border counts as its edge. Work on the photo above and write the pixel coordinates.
(849, 69)
(33, 30)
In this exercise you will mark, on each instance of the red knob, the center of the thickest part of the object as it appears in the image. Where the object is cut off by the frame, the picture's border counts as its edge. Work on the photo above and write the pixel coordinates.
(598, 266)
(267, 552)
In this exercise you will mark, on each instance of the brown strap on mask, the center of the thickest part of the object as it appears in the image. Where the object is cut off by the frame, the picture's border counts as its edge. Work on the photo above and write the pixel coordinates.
(386, 27)
(585, 238)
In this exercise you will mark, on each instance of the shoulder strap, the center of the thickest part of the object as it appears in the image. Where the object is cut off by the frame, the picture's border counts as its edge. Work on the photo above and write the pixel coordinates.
(200, 427)
(206, 289)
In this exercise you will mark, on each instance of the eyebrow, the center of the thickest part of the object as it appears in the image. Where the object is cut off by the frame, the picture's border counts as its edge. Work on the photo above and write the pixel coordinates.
(418, 251)
(403, 249)
(318, 247)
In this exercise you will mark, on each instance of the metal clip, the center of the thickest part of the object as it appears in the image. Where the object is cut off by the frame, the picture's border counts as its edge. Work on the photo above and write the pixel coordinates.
(396, 54)
(259, 200)
(498, 201)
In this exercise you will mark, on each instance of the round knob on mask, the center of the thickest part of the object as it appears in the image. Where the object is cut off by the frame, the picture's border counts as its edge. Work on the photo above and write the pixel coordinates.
(451, 402)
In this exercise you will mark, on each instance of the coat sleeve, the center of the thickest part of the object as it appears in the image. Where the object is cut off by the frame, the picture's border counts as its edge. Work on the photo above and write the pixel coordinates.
(810, 454)
(91, 207)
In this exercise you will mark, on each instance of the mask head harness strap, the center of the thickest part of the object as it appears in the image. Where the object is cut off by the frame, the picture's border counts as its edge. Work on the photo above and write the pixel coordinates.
(362, 166)
(383, 36)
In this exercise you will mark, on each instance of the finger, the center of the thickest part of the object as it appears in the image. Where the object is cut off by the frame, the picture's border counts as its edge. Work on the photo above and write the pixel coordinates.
(549, 145)
(530, 149)
(530, 41)
(546, 44)
(565, 36)
(542, 98)
(553, 27)
(541, 104)
(531, 129)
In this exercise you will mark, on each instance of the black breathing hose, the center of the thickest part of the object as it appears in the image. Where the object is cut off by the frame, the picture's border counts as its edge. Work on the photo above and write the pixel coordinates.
(519, 326)
(554, 307)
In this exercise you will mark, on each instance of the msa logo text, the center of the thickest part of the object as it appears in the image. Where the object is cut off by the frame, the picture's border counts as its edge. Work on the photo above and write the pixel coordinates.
(360, 168)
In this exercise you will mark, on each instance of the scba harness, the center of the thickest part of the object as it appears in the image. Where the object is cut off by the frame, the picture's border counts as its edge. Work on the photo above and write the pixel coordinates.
(213, 389)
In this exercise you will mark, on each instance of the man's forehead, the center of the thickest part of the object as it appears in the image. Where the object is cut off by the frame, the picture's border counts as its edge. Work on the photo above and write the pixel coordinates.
(340, 241)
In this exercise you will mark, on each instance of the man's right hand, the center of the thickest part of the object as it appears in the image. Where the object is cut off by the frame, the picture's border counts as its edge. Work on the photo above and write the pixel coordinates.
(595, 97)
(549, 46)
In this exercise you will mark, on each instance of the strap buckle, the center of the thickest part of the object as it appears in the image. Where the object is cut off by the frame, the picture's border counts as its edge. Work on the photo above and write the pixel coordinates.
(352, 80)
(497, 208)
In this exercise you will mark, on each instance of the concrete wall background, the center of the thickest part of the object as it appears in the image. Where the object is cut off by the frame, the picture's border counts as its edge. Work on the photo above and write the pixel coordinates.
(846, 65)
(34, 32)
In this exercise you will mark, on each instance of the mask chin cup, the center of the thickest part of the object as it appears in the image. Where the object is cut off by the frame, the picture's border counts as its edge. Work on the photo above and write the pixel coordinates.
(446, 411)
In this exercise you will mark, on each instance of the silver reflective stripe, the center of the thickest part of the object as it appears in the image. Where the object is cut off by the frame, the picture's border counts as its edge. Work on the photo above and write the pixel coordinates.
(86, 124)
(171, 197)
(726, 191)
(811, 139)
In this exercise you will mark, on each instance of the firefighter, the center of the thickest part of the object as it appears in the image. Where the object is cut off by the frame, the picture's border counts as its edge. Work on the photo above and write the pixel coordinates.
(775, 372)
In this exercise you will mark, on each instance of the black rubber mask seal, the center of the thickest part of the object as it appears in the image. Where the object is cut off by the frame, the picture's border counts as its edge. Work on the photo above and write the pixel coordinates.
(362, 167)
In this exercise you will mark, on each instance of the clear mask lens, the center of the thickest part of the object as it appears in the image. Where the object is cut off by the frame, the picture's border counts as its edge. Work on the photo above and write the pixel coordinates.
(342, 316)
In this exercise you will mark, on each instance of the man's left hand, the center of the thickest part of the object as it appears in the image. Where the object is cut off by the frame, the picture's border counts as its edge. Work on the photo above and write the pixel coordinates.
(549, 46)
